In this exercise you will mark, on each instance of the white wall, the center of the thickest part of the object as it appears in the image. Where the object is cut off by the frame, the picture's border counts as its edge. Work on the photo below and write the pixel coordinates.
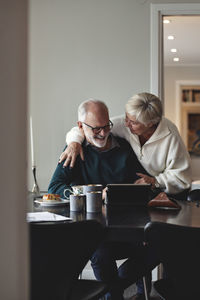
(13, 95)
(172, 74)
(81, 49)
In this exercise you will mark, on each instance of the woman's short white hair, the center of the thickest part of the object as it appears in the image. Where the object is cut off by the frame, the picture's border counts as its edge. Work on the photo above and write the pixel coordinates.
(145, 107)
(83, 108)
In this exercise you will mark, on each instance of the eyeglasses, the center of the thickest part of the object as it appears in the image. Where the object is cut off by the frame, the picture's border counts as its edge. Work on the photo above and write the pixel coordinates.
(96, 130)
(131, 122)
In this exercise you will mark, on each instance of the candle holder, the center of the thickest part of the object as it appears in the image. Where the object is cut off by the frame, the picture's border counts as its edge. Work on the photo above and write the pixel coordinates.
(35, 190)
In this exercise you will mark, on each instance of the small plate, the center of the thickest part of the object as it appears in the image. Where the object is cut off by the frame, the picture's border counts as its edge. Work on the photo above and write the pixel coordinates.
(52, 203)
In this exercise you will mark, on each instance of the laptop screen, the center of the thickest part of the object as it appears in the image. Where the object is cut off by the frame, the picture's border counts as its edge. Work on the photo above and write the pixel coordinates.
(127, 195)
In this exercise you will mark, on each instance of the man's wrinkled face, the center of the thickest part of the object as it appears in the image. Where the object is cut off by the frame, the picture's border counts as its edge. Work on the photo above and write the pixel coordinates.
(97, 126)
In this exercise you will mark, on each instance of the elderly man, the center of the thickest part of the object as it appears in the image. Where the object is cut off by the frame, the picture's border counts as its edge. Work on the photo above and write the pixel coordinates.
(107, 159)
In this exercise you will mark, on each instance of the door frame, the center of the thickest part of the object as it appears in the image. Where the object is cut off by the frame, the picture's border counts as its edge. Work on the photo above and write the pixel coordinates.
(156, 39)
(179, 121)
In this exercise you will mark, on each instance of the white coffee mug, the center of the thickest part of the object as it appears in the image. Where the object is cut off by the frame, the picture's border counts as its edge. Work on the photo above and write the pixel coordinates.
(75, 190)
(77, 202)
(94, 201)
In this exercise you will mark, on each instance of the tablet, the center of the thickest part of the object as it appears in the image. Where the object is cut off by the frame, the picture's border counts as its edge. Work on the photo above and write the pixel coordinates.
(123, 195)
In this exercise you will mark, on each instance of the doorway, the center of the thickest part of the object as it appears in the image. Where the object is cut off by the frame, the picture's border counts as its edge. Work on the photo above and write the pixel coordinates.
(181, 71)
(160, 71)
(158, 11)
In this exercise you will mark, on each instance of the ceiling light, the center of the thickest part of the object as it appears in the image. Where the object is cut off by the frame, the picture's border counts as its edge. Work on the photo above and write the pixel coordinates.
(166, 21)
(170, 37)
(175, 59)
(173, 50)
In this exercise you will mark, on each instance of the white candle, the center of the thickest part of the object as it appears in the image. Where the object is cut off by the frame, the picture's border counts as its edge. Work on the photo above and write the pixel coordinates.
(32, 147)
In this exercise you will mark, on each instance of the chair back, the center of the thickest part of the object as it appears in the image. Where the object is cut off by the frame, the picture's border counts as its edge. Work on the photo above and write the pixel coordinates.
(178, 248)
(58, 254)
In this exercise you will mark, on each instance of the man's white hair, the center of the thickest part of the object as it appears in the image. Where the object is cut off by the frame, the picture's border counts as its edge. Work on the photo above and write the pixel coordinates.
(83, 108)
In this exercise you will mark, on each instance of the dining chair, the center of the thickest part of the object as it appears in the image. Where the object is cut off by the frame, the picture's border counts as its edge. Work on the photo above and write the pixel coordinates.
(58, 254)
(178, 248)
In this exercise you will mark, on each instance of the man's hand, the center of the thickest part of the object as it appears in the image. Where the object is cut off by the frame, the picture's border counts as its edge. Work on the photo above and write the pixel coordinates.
(70, 154)
(145, 179)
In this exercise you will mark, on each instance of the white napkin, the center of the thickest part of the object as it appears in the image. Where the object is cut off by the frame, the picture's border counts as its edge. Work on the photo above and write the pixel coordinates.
(44, 216)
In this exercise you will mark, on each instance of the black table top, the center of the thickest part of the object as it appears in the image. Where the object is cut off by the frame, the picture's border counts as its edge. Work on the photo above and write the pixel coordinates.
(131, 220)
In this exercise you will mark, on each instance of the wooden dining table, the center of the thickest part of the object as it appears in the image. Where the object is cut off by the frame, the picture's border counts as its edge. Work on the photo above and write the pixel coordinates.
(127, 223)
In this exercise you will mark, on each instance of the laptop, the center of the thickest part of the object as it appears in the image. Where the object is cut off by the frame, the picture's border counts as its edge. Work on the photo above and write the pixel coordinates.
(127, 195)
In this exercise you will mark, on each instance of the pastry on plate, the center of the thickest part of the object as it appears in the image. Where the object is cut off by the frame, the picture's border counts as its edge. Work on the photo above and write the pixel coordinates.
(51, 197)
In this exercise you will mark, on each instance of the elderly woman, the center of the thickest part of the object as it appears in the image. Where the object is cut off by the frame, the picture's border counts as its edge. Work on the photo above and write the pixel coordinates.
(154, 139)
(157, 144)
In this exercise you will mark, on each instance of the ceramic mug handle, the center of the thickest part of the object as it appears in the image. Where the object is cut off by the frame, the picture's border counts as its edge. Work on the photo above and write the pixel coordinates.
(67, 190)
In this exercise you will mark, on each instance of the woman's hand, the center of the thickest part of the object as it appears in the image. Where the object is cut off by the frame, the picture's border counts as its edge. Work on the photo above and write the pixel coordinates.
(145, 179)
(104, 193)
(70, 154)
